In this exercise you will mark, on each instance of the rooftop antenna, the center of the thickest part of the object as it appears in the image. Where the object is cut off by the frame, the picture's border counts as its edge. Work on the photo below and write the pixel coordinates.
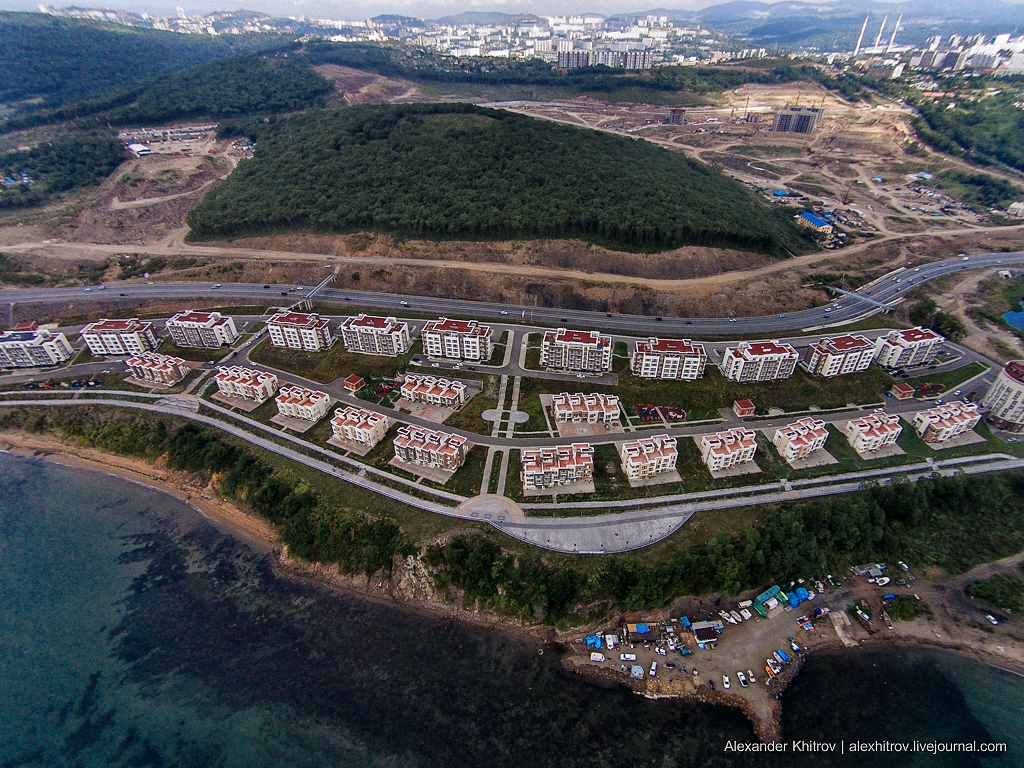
(861, 38)
(894, 31)
(878, 38)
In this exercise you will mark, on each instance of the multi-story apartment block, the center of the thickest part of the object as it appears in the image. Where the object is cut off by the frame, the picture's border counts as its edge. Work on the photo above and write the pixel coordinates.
(357, 425)
(579, 351)
(668, 359)
(586, 409)
(759, 361)
(914, 346)
(300, 330)
(440, 450)
(119, 337)
(836, 355)
(160, 369)
(557, 465)
(944, 422)
(301, 403)
(723, 450)
(202, 329)
(427, 389)
(873, 432)
(1005, 400)
(236, 381)
(649, 456)
(371, 335)
(25, 346)
(457, 340)
(800, 439)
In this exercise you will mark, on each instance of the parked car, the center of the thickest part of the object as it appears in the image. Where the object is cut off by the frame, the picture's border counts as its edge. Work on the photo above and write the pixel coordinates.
(992, 620)
(725, 682)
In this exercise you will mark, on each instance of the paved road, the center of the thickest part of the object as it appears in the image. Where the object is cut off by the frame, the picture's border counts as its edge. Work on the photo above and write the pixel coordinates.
(884, 291)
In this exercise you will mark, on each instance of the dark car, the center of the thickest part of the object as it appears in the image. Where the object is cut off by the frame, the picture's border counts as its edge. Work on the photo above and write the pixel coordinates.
(124, 294)
(688, 322)
(658, 319)
(284, 293)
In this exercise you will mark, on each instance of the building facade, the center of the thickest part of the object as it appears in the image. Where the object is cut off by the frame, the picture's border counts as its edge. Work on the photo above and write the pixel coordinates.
(723, 450)
(796, 120)
(649, 456)
(427, 389)
(1005, 399)
(759, 361)
(800, 439)
(371, 335)
(914, 346)
(430, 448)
(578, 351)
(873, 432)
(119, 337)
(157, 368)
(235, 381)
(357, 425)
(944, 422)
(668, 359)
(586, 409)
(202, 329)
(838, 355)
(457, 340)
(302, 403)
(557, 465)
(25, 346)
(300, 330)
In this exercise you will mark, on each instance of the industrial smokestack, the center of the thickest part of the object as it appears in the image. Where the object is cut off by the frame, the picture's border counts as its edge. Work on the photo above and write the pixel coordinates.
(894, 31)
(881, 29)
(861, 38)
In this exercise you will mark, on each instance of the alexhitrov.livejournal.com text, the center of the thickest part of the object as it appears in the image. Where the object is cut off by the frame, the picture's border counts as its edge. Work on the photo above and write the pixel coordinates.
(865, 747)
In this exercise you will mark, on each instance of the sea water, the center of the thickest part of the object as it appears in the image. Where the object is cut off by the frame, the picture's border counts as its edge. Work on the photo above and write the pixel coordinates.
(133, 633)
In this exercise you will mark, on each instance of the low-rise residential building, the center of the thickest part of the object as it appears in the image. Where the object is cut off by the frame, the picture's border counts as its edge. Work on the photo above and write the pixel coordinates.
(873, 432)
(902, 391)
(578, 408)
(912, 346)
(579, 351)
(357, 425)
(430, 448)
(457, 340)
(202, 329)
(1005, 399)
(557, 465)
(837, 355)
(300, 330)
(119, 337)
(800, 439)
(944, 422)
(370, 335)
(26, 346)
(427, 389)
(302, 403)
(722, 450)
(668, 359)
(160, 369)
(649, 456)
(235, 381)
(759, 361)
(743, 408)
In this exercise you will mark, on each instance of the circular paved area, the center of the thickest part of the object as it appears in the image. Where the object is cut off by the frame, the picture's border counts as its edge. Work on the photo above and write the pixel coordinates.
(515, 417)
(490, 507)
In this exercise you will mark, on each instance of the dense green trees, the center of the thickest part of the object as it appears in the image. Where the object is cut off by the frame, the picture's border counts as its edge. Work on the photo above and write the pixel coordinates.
(456, 170)
(926, 312)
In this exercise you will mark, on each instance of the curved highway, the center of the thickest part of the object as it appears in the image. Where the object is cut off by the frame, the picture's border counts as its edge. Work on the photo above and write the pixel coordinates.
(846, 309)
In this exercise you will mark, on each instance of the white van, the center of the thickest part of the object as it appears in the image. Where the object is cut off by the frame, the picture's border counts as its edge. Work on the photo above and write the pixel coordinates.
(654, 668)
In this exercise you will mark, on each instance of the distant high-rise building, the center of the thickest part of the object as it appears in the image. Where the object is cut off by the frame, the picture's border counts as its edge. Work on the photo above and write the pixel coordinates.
(797, 120)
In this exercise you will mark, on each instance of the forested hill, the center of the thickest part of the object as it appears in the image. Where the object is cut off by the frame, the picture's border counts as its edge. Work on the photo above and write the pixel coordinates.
(460, 171)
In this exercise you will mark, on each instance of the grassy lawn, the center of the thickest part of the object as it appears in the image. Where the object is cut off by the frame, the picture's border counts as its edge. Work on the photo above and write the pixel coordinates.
(466, 481)
(468, 417)
(192, 354)
(498, 350)
(949, 379)
(492, 482)
(333, 364)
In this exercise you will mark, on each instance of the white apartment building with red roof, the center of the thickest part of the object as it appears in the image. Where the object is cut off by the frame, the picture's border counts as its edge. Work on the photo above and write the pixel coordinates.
(358, 425)
(944, 422)
(371, 335)
(457, 340)
(235, 381)
(557, 465)
(873, 432)
(800, 439)
(431, 448)
(419, 388)
(302, 403)
(838, 355)
(596, 408)
(119, 337)
(649, 456)
(722, 450)
(300, 330)
(578, 351)
(160, 369)
(912, 346)
(201, 329)
(668, 359)
(759, 361)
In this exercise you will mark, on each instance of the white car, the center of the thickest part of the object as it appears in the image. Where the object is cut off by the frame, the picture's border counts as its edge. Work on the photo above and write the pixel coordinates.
(992, 620)
(654, 668)
(750, 676)
(725, 682)
(435, 365)
(504, 312)
(742, 678)
(404, 303)
(215, 286)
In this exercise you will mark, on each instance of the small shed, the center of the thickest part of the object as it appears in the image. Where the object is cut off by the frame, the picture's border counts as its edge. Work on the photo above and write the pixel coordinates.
(902, 391)
(743, 408)
(706, 635)
(354, 383)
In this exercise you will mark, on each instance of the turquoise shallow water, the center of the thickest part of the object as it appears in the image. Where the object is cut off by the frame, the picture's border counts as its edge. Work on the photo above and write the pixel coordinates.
(132, 633)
